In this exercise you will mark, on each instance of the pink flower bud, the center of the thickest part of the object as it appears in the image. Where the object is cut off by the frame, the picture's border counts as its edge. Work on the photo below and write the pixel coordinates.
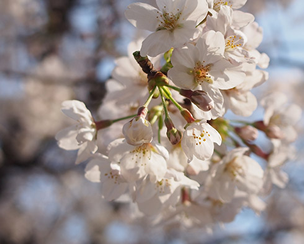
(274, 132)
(142, 111)
(169, 123)
(185, 198)
(187, 116)
(174, 136)
(260, 125)
(199, 98)
(202, 100)
(247, 132)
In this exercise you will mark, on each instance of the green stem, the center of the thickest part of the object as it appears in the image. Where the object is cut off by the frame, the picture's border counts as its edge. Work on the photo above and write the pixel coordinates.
(123, 118)
(241, 122)
(160, 126)
(180, 108)
(164, 102)
(149, 98)
(174, 88)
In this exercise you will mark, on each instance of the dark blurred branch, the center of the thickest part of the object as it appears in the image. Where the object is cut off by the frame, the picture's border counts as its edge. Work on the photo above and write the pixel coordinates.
(64, 81)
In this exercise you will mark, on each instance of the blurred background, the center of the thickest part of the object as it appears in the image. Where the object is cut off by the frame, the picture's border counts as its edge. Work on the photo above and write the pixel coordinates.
(55, 50)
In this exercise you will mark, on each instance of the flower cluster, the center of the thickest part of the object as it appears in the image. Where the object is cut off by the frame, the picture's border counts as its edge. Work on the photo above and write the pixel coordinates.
(179, 158)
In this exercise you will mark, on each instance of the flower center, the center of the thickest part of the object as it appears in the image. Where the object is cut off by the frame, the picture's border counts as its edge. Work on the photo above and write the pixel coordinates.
(217, 5)
(234, 41)
(277, 119)
(162, 185)
(168, 21)
(199, 136)
(114, 175)
(200, 72)
(233, 168)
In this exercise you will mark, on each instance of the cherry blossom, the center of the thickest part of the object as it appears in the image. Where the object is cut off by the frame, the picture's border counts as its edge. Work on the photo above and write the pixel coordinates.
(172, 23)
(240, 99)
(152, 196)
(80, 136)
(198, 140)
(140, 161)
(235, 170)
(281, 115)
(204, 65)
(100, 169)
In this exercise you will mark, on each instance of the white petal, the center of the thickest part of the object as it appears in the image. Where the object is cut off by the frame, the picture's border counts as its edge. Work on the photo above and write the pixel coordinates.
(293, 112)
(112, 191)
(76, 110)
(146, 190)
(143, 16)
(117, 149)
(83, 153)
(95, 168)
(243, 104)
(226, 77)
(151, 207)
(197, 14)
(181, 77)
(241, 19)
(278, 177)
(156, 166)
(214, 135)
(66, 138)
(157, 43)
(186, 56)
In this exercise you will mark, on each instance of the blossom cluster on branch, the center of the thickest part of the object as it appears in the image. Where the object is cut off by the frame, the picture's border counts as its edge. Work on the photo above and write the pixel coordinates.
(179, 158)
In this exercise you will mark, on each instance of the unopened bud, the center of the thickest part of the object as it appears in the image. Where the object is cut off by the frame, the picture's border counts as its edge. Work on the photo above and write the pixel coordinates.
(169, 123)
(199, 98)
(187, 116)
(174, 136)
(247, 132)
(260, 125)
(138, 131)
(142, 111)
(258, 151)
(202, 100)
(185, 198)
(274, 132)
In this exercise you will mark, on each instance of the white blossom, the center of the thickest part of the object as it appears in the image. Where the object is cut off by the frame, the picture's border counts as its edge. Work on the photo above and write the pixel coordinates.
(172, 23)
(236, 170)
(198, 140)
(281, 115)
(80, 136)
(240, 99)
(152, 196)
(204, 65)
(140, 161)
(100, 170)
